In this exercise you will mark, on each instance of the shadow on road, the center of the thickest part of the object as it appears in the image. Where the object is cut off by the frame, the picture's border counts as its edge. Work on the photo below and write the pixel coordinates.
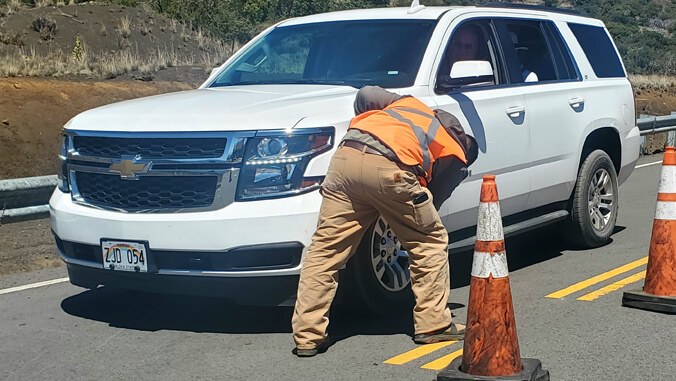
(154, 312)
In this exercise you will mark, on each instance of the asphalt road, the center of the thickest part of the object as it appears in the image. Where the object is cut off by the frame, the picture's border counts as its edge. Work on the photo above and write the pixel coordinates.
(62, 332)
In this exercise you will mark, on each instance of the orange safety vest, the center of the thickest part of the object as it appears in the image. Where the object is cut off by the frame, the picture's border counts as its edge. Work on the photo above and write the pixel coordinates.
(412, 132)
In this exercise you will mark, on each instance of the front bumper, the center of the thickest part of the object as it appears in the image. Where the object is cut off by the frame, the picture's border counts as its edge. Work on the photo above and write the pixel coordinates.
(254, 291)
(249, 252)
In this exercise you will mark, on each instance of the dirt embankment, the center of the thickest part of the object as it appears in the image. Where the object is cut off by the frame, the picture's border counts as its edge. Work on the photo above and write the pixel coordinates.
(655, 102)
(33, 111)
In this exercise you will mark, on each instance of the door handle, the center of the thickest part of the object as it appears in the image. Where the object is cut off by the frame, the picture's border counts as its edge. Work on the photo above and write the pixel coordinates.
(576, 102)
(514, 112)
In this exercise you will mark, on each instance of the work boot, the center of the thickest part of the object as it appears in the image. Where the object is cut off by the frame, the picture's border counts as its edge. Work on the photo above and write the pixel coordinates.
(321, 348)
(452, 333)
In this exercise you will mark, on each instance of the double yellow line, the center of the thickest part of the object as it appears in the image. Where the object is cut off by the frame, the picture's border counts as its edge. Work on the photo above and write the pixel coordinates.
(444, 361)
(602, 277)
(437, 364)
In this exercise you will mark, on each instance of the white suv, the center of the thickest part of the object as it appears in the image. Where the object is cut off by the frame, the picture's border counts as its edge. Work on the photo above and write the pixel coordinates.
(215, 191)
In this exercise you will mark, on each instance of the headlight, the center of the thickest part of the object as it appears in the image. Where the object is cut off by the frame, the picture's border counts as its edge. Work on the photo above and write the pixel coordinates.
(64, 186)
(275, 161)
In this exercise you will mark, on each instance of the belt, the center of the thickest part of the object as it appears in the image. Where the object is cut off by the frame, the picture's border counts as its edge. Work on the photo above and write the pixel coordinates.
(360, 146)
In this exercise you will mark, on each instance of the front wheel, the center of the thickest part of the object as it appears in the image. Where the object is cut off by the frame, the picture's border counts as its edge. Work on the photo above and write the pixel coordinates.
(378, 280)
(594, 202)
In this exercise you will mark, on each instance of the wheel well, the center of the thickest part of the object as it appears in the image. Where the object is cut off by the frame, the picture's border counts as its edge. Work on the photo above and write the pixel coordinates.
(606, 139)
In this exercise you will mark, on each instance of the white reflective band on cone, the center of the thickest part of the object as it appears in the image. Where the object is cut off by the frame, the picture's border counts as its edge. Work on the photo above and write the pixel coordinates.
(665, 210)
(667, 179)
(489, 227)
(485, 264)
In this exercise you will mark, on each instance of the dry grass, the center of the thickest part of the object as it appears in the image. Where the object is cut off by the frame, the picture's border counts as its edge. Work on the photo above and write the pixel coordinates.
(124, 29)
(201, 39)
(653, 82)
(11, 38)
(103, 30)
(173, 26)
(110, 65)
(213, 59)
(13, 6)
(146, 30)
(43, 3)
(185, 33)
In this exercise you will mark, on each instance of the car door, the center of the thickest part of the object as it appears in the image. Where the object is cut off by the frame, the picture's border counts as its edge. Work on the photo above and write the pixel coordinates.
(496, 115)
(556, 104)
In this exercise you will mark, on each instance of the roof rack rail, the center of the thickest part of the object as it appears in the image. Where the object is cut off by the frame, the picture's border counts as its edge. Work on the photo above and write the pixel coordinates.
(496, 4)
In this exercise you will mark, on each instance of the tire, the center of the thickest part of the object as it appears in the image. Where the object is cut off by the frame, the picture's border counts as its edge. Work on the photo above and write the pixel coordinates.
(594, 203)
(376, 289)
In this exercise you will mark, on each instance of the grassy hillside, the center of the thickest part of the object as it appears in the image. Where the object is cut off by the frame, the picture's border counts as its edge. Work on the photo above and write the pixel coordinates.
(645, 30)
(100, 41)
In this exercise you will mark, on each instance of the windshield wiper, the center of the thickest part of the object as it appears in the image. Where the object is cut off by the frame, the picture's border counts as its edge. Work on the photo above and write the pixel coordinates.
(356, 83)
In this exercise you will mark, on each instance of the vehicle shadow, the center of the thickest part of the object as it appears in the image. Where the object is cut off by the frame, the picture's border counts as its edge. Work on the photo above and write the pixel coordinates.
(156, 312)
(524, 250)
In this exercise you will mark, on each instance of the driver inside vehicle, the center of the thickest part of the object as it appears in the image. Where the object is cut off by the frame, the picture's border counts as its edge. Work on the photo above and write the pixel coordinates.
(465, 46)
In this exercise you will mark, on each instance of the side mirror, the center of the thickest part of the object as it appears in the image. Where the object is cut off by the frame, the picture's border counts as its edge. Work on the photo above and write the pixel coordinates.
(471, 69)
(213, 72)
(467, 73)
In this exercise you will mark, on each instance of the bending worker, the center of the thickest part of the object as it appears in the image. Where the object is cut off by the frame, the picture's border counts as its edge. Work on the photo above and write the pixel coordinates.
(392, 149)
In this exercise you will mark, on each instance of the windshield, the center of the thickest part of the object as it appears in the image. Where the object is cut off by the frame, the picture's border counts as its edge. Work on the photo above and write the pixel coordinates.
(352, 53)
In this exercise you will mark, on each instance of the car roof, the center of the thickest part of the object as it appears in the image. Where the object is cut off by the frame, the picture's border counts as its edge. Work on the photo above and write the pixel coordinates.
(429, 13)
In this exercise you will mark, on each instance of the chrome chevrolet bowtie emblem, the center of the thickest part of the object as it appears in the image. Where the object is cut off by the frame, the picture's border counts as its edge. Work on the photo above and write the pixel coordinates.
(129, 170)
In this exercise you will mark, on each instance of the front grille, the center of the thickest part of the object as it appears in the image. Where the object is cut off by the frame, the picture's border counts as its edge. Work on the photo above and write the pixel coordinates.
(149, 192)
(165, 148)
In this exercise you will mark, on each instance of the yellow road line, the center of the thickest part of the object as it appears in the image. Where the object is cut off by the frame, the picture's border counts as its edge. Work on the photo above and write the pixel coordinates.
(443, 362)
(418, 352)
(612, 287)
(599, 278)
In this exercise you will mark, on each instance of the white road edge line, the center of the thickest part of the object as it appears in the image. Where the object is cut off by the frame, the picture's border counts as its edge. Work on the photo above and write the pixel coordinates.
(649, 164)
(34, 285)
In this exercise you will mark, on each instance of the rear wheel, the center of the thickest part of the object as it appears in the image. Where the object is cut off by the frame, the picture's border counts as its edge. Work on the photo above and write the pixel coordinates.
(594, 202)
(378, 280)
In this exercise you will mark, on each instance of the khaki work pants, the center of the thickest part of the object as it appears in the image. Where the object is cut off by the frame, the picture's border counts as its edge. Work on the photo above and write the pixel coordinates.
(358, 187)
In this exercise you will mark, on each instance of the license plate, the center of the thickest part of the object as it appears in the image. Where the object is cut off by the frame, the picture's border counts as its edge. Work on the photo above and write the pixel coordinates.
(124, 256)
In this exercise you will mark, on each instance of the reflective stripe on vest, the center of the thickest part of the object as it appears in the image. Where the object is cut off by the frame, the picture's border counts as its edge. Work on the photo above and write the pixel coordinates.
(409, 128)
(424, 139)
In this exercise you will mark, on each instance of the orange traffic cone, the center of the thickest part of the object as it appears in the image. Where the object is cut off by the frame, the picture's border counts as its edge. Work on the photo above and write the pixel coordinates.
(491, 348)
(659, 291)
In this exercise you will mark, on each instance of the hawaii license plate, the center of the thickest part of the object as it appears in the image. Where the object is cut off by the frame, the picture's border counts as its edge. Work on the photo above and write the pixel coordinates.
(124, 256)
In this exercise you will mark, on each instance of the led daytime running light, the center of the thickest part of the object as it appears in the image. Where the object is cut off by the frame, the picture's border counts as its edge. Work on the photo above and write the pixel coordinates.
(274, 161)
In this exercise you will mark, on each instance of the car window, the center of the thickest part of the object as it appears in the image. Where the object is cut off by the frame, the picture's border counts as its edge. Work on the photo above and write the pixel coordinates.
(472, 41)
(354, 53)
(599, 50)
(563, 61)
(534, 57)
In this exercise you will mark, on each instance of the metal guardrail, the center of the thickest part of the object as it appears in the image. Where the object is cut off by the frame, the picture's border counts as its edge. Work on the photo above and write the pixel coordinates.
(27, 198)
(656, 124)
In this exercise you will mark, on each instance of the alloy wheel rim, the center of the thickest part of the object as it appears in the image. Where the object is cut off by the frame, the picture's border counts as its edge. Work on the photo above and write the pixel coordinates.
(389, 260)
(601, 199)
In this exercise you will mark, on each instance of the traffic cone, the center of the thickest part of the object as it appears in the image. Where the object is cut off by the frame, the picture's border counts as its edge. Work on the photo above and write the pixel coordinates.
(659, 290)
(491, 348)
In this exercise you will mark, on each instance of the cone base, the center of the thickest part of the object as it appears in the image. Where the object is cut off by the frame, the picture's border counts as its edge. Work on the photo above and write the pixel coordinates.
(532, 371)
(644, 301)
